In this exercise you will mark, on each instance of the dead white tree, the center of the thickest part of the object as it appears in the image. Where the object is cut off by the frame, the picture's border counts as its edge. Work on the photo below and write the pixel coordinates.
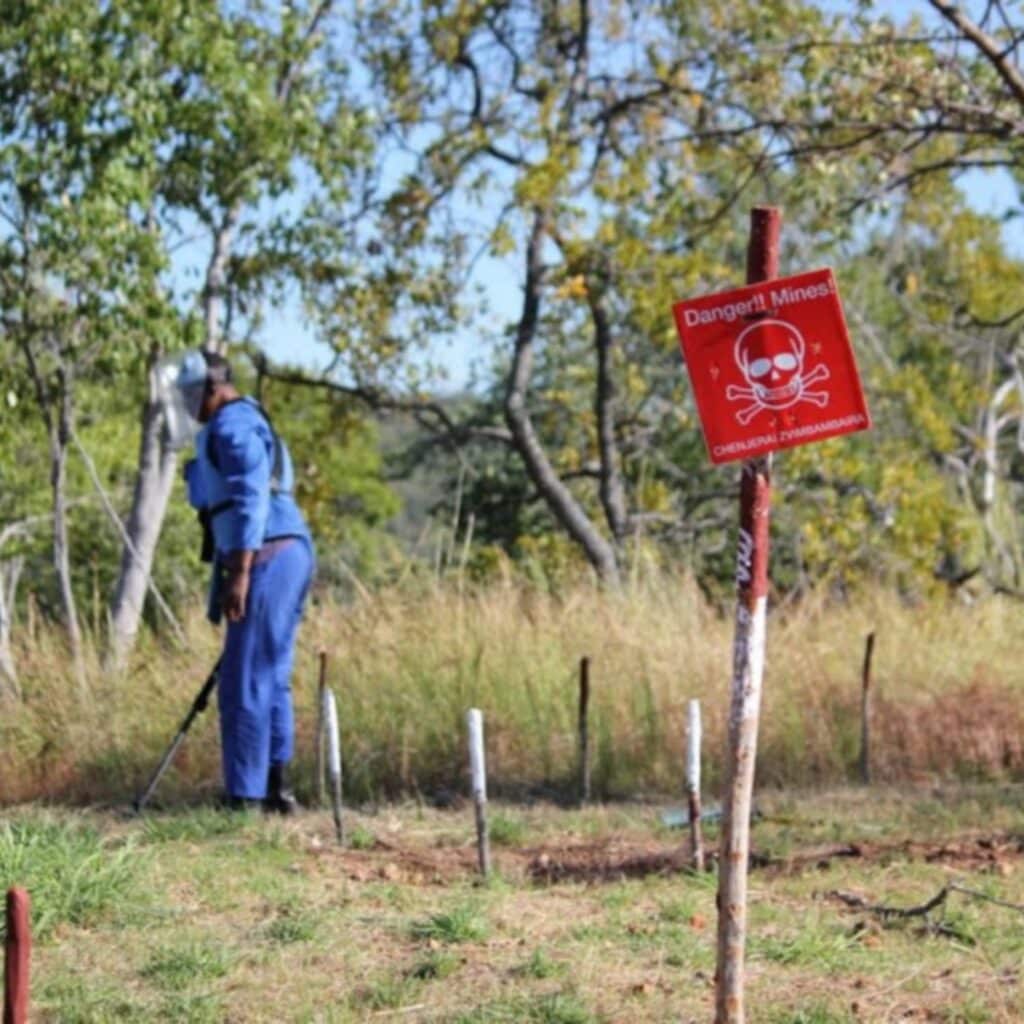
(12, 564)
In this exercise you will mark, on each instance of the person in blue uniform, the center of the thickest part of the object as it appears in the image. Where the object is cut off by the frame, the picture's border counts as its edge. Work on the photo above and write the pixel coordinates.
(241, 482)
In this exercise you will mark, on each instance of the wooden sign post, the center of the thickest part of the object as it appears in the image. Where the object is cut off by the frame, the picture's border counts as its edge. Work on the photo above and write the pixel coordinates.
(771, 367)
(747, 674)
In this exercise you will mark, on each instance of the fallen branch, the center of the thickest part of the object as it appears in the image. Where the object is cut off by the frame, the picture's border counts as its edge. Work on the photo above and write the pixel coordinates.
(887, 912)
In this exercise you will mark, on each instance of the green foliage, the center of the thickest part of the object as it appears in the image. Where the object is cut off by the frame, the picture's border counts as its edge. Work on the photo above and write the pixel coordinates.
(810, 946)
(292, 925)
(387, 993)
(820, 1013)
(73, 875)
(361, 839)
(339, 472)
(73, 999)
(180, 966)
(202, 823)
(250, 121)
(462, 924)
(437, 964)
(540, 965)
(108, 428)
(555, 1008)
(507, 830)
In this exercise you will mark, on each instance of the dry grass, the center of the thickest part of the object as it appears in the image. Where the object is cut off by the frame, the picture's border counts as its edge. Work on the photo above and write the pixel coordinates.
(407, 662)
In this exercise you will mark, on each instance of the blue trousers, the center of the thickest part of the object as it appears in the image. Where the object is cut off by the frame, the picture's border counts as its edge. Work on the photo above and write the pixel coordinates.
(254, 695)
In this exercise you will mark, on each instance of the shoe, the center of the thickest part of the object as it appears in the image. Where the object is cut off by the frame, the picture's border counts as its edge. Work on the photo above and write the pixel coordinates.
(239, 803)
(279, 799)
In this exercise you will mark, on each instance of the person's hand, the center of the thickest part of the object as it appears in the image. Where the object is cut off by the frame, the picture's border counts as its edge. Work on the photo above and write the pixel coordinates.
(236, 586)
(236, 593)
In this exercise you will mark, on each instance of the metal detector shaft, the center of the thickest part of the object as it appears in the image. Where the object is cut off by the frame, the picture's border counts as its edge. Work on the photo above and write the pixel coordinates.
(198, 706)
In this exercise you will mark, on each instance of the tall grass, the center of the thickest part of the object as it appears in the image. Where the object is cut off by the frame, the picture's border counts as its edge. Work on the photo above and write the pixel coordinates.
(406, 663)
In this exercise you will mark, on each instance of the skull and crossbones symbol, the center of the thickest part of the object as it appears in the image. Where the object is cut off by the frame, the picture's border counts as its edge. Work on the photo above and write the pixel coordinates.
(771, 355)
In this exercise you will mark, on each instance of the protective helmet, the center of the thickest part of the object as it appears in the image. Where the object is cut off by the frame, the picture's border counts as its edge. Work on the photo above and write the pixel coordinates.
(180, 384)
(191, 381)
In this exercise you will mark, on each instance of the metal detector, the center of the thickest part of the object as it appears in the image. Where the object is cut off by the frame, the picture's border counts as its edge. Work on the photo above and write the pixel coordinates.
(198, 706)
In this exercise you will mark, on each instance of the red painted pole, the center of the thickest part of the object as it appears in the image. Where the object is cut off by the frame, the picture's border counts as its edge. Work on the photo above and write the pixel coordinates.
(17, 950)
(748, 671)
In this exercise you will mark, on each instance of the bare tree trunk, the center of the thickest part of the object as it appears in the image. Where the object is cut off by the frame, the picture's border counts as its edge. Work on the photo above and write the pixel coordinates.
(216, 281)
(60, 437)
(559, 499)
(10, 575)
(157, 464)
(612, 489)
(149, 506)
(994, 424)
(55, 407)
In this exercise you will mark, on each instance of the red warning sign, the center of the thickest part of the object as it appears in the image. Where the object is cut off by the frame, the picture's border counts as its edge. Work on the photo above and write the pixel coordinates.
(771, 366)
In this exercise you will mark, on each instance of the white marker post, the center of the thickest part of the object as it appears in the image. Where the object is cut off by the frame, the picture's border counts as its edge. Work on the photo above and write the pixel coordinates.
(330, 714)
(478, 771)
(693, 740)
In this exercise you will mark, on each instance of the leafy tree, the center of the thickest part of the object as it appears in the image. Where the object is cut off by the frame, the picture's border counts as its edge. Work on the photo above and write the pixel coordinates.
(23, 508)
(599, 154)
(909, 108)
(261, 141)
(78, 264)
(339, 474)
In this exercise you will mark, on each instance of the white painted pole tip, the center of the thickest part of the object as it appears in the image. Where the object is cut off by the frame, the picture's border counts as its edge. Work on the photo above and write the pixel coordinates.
(693, 742)
(477, 763)
(333, 738)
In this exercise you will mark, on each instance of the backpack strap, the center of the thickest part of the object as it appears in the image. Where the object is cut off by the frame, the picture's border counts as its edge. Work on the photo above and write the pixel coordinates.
(277, 470)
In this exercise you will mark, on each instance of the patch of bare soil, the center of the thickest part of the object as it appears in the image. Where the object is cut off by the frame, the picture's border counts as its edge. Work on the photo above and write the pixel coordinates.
(390, 862)
(611, 860)
(608, 860)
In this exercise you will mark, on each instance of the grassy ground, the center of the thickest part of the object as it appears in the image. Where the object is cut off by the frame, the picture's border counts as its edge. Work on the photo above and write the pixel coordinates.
(203, 916)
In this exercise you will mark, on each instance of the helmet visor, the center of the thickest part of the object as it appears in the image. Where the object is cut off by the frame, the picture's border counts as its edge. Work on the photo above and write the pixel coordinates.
(180, 401)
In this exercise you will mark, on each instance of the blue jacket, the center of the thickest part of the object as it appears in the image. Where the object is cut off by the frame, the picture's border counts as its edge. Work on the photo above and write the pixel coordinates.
(243, 476)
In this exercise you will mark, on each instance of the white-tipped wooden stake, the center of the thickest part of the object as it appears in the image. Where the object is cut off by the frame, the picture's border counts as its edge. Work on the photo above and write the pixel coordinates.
(478, 771)
(321, 732)
(693, 740)
(334, 760)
